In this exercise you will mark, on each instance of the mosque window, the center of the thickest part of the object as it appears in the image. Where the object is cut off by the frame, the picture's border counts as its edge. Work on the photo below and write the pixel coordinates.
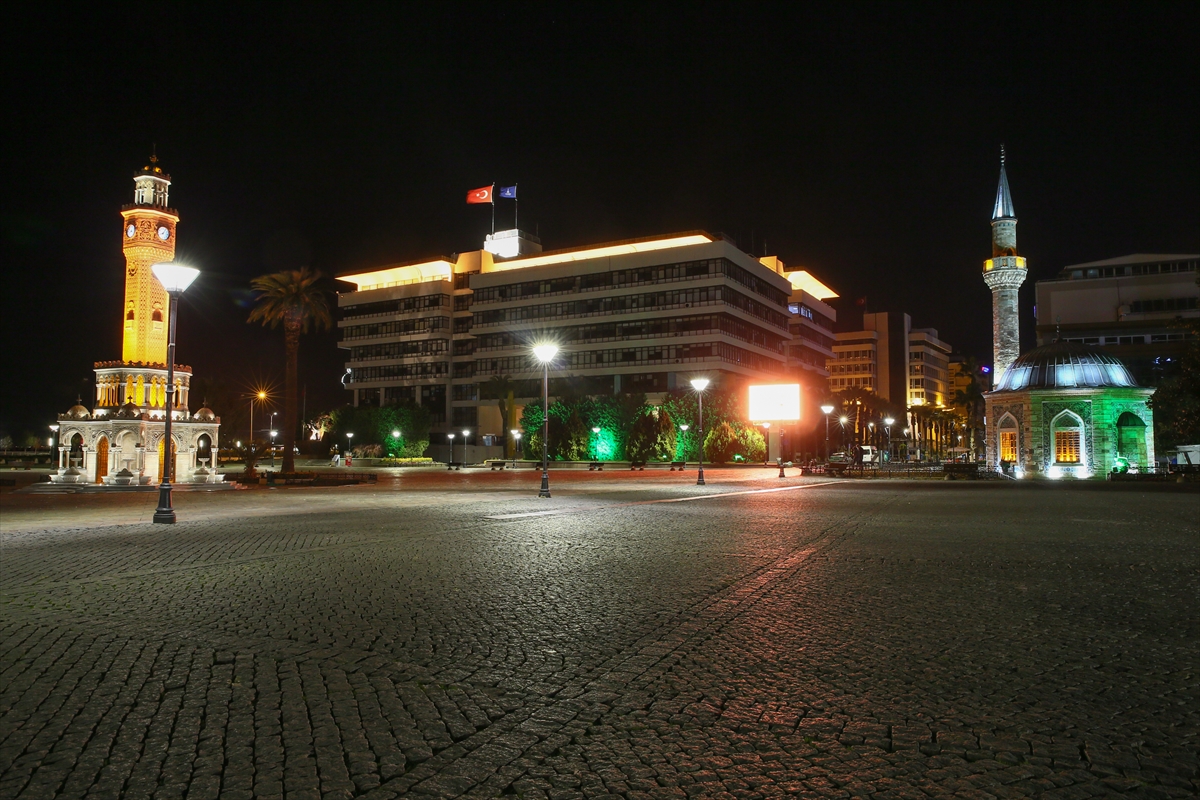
(1008, 445)
(129, 320)
(1066, 446)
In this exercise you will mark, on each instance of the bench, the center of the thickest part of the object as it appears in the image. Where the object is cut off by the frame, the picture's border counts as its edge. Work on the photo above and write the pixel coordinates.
(678, 465)
(596, 466)
(497, 464)
(453, 465)
(638, 465)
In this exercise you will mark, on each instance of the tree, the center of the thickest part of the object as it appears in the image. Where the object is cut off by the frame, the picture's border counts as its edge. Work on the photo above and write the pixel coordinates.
(1176, 402)
(721, 443)
(290, 298)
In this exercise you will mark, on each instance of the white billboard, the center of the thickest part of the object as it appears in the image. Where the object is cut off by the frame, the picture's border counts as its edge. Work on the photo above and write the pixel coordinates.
(779, 402)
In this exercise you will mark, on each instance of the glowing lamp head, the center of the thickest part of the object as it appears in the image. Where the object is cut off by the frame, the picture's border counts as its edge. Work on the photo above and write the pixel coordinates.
(684, 427)
(349, 435)
(175, 278)
(826, 409)
(262, 395)
(545, 353)
(54, 428)
(274, 434)
(396, 434)
(700, 384)
(595, 430)
(515, 432)
(843, 420)
(888, 421)
(466, 433)
(450, 436)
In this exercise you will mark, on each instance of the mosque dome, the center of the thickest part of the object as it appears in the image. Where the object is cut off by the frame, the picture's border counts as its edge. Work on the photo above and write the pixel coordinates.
(129, 411)
(1065, 365)
(78, 411)
(206, 414)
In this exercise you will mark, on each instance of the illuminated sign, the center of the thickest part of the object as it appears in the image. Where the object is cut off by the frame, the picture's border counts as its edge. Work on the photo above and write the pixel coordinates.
(775, 402)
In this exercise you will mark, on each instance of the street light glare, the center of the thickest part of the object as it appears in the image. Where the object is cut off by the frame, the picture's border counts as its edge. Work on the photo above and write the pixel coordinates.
(700, 384)
(595, 430)
(545, 353)
(826, 409)
(888, 420)
(174, 277)
(843, 420)
(396, 434)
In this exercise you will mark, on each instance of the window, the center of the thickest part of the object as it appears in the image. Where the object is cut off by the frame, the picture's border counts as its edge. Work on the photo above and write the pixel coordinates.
(1066, 446)
(1008, 445)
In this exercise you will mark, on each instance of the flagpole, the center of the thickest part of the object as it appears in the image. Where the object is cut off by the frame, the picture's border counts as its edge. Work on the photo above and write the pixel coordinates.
(516, 207)
(492, 196)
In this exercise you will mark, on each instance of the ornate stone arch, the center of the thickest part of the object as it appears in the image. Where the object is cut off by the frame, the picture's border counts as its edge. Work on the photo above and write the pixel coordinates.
(1087, 456)
(1008, 420)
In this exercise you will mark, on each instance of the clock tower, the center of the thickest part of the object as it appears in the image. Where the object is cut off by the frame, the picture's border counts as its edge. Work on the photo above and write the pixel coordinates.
(148, 234)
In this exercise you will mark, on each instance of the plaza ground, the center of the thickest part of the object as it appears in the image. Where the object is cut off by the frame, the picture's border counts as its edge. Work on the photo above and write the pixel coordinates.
(450, 634)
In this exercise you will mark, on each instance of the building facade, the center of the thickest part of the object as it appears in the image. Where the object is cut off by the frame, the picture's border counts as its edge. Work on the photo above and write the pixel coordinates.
(1129, 307)
(638, 316)
(904, 365)
(120, 441)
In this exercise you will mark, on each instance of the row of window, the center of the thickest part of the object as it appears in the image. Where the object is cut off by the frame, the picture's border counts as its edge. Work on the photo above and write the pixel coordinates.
(1134, 269)
(804, 332)
(428, 369)
(672, 298)
(847, 383)
(643, 329)
(399, 327)
(413, 347)
(401, 306)
(598, 359)
(841, 369)
(1166, 304)
(639, 276)
(854, 355)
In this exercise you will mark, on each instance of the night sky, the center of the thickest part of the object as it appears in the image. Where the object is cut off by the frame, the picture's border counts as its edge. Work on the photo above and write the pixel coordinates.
(860, 144)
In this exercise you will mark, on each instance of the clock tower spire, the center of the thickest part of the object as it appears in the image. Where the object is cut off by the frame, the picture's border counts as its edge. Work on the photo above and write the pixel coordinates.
(149, 238)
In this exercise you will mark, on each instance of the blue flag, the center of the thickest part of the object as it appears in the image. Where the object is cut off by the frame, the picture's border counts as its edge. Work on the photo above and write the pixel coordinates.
(509, 192)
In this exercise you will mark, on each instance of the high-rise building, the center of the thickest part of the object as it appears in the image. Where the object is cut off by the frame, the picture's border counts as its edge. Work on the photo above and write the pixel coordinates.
(1130, 307)
(904, 365)
(642, 315)
(1004, 273)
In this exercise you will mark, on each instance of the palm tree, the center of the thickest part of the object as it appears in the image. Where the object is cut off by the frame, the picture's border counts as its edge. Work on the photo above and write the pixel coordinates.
(290, 298)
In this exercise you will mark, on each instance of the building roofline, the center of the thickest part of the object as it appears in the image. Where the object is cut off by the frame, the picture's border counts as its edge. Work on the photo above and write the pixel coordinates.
(1135, 258)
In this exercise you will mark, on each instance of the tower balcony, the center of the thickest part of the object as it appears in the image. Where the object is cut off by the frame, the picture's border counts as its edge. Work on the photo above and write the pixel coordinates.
(1004, 262)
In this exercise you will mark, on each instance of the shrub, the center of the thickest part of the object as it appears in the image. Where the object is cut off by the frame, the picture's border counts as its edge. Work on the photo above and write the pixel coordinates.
(721, 444)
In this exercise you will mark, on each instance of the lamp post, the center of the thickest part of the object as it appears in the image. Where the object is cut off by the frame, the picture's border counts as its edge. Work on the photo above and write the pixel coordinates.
(273, 435)
(349, 442)
(466, 433)
(260, 395)
(766, 426)
(516, 434)
(700, 384)
(396, 437)
(175, 278)
(827, 409)
(450, 465)
(888, 422)
(545, 353)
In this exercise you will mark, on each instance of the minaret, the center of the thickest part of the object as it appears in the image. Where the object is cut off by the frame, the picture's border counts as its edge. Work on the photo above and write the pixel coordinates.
(149, 238)
(1004, 273)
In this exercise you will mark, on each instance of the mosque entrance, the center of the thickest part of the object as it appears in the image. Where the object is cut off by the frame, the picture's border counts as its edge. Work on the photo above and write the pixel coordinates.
(1131, 438)
(101, 459)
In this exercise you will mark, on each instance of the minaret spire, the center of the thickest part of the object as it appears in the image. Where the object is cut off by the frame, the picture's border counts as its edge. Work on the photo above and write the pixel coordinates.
(1004, 273)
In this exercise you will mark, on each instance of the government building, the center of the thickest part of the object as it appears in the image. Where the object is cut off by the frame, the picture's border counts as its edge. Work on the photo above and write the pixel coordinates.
(636, 316)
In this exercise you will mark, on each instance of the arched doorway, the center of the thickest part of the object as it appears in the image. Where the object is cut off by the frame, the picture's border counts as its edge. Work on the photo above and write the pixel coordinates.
(204, 450)
(101, 459)
(75, 454)
(162, 462)
(1131, 438)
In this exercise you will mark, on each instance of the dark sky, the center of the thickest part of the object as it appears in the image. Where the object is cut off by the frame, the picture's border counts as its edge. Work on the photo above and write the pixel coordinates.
(860, 142)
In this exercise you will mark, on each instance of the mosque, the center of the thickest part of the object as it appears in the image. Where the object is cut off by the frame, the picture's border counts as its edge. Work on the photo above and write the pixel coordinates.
(1061, 410)
(120, 441)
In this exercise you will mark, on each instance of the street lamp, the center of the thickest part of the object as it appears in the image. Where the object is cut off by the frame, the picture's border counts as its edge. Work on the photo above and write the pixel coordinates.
(466, 433)
(827, 409)
(545, 353)
(700, 384)
(888, 422)
(260, 395)
(516, 434)
(273, 435)
(175, 278)
(767, 437)
(450, 465)
(349, 442)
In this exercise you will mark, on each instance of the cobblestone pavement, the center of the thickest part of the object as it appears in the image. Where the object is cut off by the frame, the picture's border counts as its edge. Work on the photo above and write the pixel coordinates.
(644, 639)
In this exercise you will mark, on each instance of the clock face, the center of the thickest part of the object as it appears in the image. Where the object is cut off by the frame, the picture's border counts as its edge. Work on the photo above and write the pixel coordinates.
(163, 233)
(131, 231)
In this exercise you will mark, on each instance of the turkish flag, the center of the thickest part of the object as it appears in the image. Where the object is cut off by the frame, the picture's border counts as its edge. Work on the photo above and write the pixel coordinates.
(483, 195)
